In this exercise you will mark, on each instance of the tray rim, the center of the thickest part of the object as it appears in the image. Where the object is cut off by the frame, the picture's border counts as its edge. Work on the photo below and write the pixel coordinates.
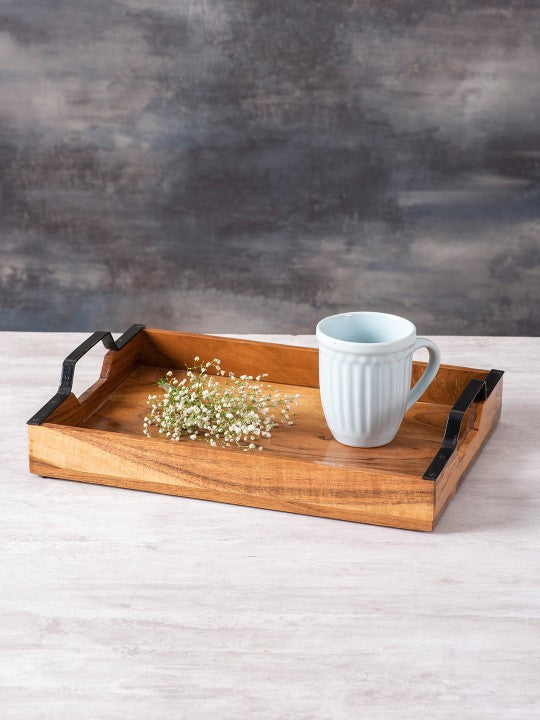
(64, 448)
(475, 391)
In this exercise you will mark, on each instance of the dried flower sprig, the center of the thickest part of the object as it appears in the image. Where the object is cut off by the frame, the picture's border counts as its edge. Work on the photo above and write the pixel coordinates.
(229, 411)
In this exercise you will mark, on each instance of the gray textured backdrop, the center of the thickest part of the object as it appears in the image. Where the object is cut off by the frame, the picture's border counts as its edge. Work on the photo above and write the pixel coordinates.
(230, 165)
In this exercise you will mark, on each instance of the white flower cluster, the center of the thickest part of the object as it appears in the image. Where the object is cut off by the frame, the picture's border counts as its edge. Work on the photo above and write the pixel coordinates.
(229, 411)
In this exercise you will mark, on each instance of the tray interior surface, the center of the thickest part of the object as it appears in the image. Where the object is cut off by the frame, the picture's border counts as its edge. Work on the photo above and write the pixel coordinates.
(309, 439)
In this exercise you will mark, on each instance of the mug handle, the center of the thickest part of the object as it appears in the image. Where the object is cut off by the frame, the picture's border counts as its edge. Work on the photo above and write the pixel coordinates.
(429, 373)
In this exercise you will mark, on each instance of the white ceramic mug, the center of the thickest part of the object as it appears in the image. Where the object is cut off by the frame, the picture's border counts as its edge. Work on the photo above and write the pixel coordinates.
(365, 365)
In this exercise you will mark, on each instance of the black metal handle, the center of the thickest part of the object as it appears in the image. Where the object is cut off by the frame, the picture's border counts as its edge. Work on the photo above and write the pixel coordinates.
(68, 367)
(475, 391)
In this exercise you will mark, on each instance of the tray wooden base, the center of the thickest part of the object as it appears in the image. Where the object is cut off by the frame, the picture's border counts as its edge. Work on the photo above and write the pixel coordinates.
(98, 439)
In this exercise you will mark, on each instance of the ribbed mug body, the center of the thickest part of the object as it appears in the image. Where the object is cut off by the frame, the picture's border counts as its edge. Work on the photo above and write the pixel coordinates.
(364, 395)
(365, 366)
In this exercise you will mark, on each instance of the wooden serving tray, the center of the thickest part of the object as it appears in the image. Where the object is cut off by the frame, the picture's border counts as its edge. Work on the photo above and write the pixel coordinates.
(98, 437)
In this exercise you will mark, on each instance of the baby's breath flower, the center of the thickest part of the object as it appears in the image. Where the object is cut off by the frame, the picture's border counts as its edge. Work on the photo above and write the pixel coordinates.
(231, 411)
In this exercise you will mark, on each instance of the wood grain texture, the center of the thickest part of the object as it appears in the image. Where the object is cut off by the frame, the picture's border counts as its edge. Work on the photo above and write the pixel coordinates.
(283, 363)
(308, 439)
(127, 604)
(302, 468)
(263, 480)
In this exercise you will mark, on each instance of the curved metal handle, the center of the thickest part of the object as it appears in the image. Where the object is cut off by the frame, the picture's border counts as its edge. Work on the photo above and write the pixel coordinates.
(68, 367)
(475, 391)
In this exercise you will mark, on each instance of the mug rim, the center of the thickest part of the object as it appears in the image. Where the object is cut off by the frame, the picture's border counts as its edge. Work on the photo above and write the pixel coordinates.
(333, 343)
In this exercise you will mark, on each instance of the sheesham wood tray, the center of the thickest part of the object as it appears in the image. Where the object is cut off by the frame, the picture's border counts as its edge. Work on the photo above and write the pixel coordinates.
(98, 438)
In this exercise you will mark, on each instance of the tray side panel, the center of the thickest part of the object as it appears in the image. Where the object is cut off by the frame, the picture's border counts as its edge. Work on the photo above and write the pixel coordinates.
(284, 363)
(287, 364)
(480, 426)
(229, 476)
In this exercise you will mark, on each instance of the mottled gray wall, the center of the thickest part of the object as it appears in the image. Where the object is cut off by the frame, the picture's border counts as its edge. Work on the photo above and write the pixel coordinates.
(234, 165)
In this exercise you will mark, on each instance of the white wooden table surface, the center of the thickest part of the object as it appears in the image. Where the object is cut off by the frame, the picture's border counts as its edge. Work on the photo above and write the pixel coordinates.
(122, 604)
